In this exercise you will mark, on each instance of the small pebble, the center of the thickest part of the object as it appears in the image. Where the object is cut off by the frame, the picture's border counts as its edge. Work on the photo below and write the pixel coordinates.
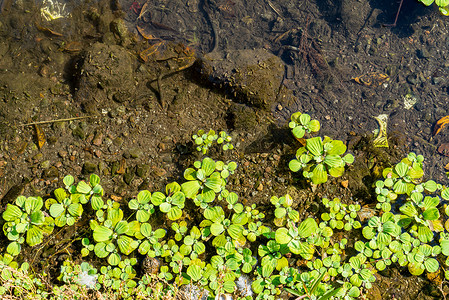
(98, 139)
(62, 153)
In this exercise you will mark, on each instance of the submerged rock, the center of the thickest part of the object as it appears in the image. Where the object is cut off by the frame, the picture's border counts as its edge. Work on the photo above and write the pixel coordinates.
(253, 76)
(106, 75)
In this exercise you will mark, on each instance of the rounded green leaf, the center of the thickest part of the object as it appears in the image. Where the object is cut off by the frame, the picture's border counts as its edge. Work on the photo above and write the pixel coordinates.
(318, 174)
(157, 198)
(12, 212)
(142, 216)
(282, 236)
(195, 272)
(133, 204)
(191, 188)
(178, 199)
(294, 165)
(96, 202)
(307, 227)
(34, 236)
(83, 187)
(216, 229)
(13, 248)
(315, 146)
(125, 244)
(431, 265)
(68, 180)
(164, 207)
(102, 233)
(174, 213)
(114, 259)
(121, 227)
(75, 210)
(37, 217)
(298, 132)
(314, 126)
(146, 230)
(33, 204)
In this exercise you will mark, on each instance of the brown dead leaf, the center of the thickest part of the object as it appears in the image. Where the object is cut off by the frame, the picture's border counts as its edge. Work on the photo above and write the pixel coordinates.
(47, 30)
(21, 147)
(446, 167)
(122, 168)
(146, 35)
(373, 79)
(40, 136)
(72, 47)
(116, 198)
(345, 183)
(444, 149)
(145, 54)
(440, 125)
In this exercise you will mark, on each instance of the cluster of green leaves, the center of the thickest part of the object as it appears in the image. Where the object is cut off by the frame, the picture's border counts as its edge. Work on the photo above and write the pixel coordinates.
(340, 215)
(205, 140)
(409, 237)
(318, 158)
(212, 253)
(301, 124)
(206, 180)
(211, 256)
(311, 241)
(19, 281)
(25, 221)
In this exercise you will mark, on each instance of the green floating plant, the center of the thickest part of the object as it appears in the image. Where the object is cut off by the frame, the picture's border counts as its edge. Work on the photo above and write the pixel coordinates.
(340, 215)
(321, 157)
(25, 221)
(21, 282)
(403, 177)
(114, 236)
(86, 191)
(295, 237)
(172, 202)
(65, 209)
(144, 209)
(203, 178)
(301, 124)
(421, 216)
(283, 210)
(205, 140)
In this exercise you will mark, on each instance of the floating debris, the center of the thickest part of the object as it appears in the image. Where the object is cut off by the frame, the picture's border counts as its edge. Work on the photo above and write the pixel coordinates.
(40, 136)
(440, 125)
(409, 101)
(372, 79)
(381, 138)
(53, 10)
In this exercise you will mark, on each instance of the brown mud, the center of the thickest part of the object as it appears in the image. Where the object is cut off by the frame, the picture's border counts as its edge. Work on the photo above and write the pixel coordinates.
(148, 75)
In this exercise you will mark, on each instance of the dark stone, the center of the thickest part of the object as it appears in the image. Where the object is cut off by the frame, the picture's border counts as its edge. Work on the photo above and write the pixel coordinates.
(423, 53)
(50, 173)
(412, 79)
(142, 170)
(135, 152)
(129, 175)
(89, 168)
(252, 76)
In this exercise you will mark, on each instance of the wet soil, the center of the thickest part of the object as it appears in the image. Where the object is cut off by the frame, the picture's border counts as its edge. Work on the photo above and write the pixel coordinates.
(144, 77)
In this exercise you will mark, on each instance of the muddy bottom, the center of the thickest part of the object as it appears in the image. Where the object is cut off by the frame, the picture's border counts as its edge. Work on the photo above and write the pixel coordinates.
(118, 88)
